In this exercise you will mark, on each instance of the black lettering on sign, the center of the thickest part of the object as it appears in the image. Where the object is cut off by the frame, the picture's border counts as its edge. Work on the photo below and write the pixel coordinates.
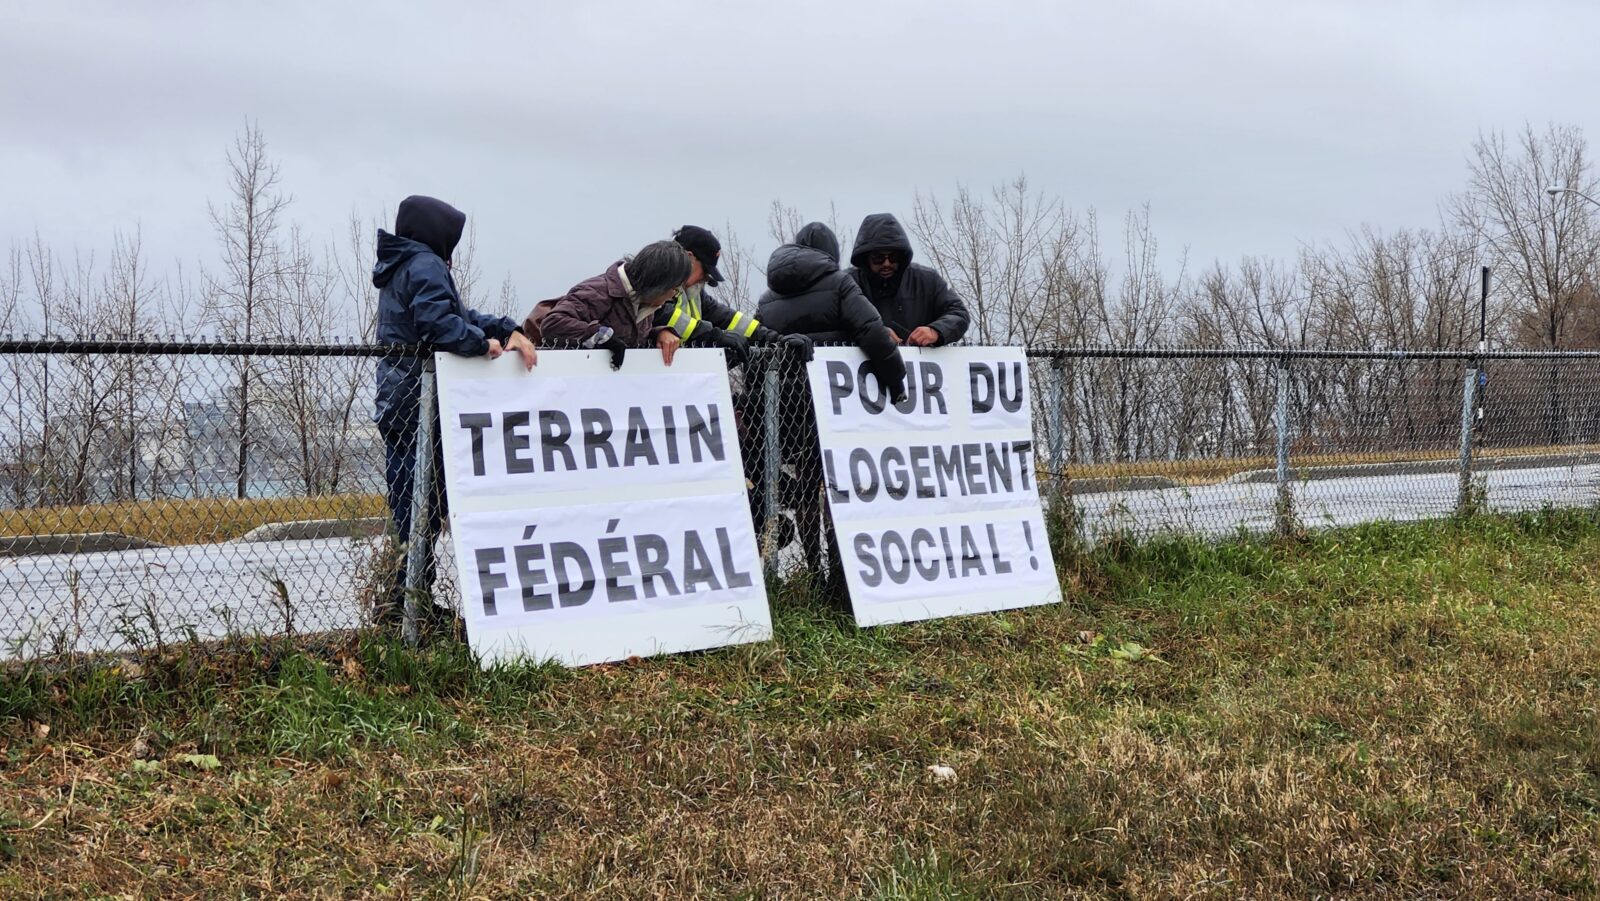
(866, 488)
(926, 560)
(932, 378)
(476, 423)
(490, 581)
(705, 433)
(1011, 399)
(730, 571)
(971, 559)
(531, 575)
(999, 465)
(653, 556)
(872, 403)
(697, 569)
(1001, 567)
(947, 465)
(922, 471)
(569, 591)
(597, 437)
(1024, 453)
(614, 566)
(981, 380)
(514, 442)
(872, 574)
(896, 484)
(892, 545)
(972, 458)
(836, 492)
(840, 385)
(554, 430)
(638, 445)
(670, 434)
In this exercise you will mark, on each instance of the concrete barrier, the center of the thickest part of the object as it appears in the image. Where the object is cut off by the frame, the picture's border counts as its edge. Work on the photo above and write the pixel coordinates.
(313, 529)
(1126, 483)
(1413, 467)
(77, 543)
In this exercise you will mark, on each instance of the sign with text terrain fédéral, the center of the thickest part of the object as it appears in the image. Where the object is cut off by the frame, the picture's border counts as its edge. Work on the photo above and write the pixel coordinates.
(598, 514)
(934, 501)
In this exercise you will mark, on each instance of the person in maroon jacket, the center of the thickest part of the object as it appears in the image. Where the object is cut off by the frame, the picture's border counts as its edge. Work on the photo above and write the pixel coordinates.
(615, 309)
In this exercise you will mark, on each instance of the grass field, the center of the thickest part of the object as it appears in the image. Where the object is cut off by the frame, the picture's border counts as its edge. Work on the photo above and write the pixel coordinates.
(1400, 711)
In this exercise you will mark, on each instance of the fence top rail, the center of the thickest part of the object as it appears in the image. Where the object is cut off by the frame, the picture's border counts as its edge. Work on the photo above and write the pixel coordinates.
(206, 347)
(1287, 354)
(12, 345)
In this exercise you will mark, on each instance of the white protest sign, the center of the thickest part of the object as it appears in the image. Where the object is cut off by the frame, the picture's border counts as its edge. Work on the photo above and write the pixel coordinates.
(598, 514)
(934, 500)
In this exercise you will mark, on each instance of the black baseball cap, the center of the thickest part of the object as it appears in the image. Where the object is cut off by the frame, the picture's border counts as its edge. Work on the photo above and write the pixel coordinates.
(705, 247)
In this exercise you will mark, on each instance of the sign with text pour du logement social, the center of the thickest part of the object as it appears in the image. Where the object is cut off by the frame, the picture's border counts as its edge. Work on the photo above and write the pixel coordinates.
(933, 500)
(598, 515)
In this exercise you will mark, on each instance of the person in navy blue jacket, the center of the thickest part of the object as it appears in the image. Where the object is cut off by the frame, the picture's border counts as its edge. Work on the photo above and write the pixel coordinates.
(418, 304)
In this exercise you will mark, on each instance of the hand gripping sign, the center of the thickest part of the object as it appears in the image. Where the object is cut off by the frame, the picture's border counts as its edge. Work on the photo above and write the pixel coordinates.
(598, 515)
(934, 500)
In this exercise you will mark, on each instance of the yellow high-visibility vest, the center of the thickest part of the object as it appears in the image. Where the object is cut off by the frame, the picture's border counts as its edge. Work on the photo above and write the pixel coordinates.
(686, 316)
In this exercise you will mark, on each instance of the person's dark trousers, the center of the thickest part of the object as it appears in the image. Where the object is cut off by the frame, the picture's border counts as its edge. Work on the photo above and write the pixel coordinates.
(399, 450)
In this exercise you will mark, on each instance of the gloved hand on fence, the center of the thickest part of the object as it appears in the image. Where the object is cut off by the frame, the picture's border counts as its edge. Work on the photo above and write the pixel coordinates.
(800, 345)
(737, 349)
(617, 347)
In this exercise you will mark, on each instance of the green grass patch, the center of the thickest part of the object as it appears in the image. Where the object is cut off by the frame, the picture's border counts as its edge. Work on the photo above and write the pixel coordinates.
(1387, 710)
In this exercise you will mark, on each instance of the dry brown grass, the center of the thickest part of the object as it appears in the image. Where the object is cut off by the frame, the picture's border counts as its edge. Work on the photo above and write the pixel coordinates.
(200, 521)
(1384, 712)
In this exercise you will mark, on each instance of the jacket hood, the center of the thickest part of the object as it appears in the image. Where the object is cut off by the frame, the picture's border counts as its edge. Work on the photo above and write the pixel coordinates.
(793, 268)
(880, 231)
(431, 221)
(819, 236)
(393, 252)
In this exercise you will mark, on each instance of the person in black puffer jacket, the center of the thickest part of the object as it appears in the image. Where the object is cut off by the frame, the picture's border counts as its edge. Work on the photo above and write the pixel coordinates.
(808, 294)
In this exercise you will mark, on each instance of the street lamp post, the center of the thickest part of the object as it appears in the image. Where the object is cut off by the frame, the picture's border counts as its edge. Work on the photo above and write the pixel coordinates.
(1557, 190)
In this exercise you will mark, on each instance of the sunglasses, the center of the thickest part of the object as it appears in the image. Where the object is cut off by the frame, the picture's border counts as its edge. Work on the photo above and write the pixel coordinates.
(881, 257)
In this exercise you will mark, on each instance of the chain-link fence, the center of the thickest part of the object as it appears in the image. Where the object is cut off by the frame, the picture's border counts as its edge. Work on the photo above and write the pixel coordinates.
(153, 493)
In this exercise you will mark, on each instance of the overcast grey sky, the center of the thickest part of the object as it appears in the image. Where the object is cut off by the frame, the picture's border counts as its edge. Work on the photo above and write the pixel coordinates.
(574, 131)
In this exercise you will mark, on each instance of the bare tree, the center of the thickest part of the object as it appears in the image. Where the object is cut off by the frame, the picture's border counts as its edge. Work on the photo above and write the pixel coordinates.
(241, 296)
(464, 266)
(736, 264)
(783, 221)
(1545, 247)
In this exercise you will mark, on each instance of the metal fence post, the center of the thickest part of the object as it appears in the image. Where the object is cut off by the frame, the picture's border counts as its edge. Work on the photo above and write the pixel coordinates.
(770, 457)
(1284, 509)
(1057, 419)
(1464, 499)
(419, 544)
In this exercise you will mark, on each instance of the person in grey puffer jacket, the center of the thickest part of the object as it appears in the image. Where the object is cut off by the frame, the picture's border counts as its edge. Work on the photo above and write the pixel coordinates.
(914, 300)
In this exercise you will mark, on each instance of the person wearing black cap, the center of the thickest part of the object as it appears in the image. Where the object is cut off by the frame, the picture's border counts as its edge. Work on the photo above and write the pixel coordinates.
(695, 317)
(418, 304)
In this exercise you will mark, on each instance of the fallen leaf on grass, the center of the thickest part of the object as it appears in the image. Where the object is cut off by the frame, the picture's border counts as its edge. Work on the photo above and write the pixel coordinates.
(1134, 652)
(201, 761)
